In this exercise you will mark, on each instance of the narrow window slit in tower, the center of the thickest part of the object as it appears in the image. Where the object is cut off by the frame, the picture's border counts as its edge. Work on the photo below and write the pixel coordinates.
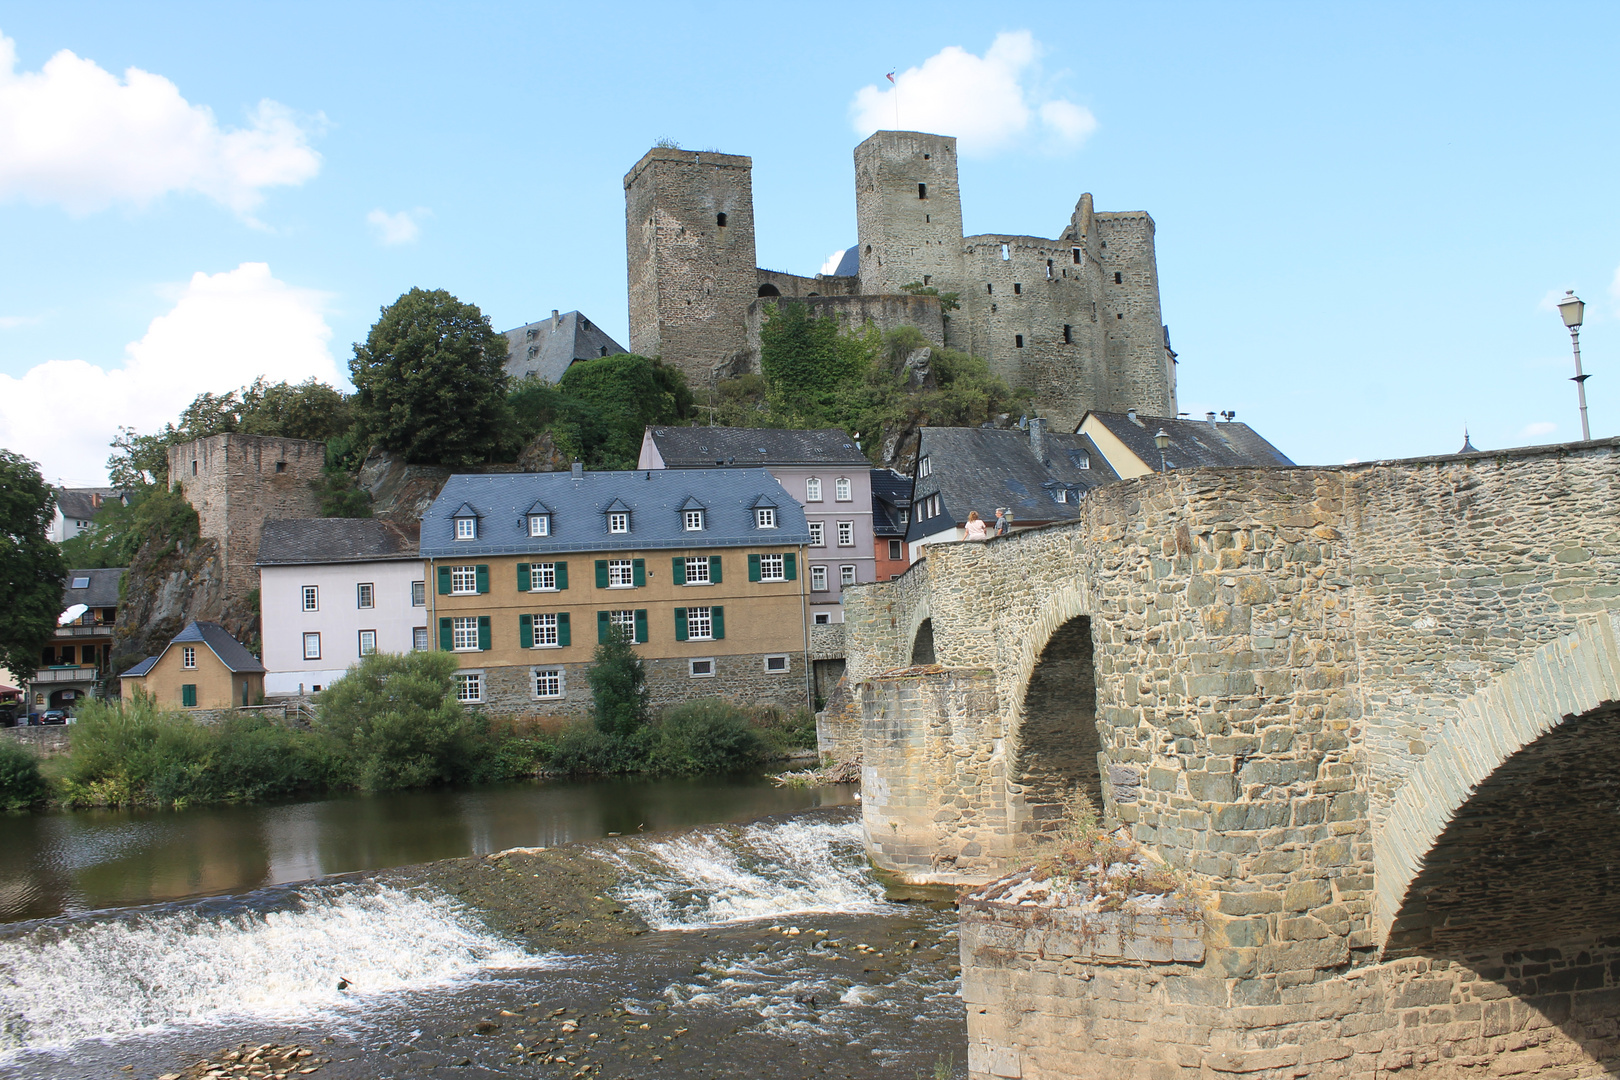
(1077, 256)
(1048, 269)
(1068, 334)
(922, 191)
(1018, 341)
(1119, 279)
(720, 220)
(989, 288)
(1005, 253)
(1018, 288)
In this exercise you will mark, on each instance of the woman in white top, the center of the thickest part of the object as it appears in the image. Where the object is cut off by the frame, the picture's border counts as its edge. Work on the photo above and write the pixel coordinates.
(976, 528)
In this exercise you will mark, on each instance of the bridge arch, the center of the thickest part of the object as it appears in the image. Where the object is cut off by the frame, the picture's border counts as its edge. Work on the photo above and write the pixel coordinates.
(919, 633)
(1499, 827)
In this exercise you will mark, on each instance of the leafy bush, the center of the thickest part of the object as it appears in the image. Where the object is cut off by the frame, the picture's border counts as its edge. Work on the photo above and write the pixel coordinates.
(618, 688)
(782, 731)
(585, 749)
(705, 736)
(21, 784)
(396, 719)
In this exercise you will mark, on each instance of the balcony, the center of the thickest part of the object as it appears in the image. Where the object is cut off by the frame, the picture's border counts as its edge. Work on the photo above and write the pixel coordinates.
(79, 630)
(74, 674)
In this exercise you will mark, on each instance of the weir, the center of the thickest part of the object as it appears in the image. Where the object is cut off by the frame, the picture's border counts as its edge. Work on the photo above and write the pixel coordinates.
(1365, 711)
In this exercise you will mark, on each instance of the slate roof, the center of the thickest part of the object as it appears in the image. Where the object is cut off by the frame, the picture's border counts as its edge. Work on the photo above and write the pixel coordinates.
(579, 506)
(78, 502)
(1193, 443)
(100, 592)
(547, 347)
(139, 669)
(302, 541)
(707, 447)
(891, 493)
(232, 653)
(983, 468)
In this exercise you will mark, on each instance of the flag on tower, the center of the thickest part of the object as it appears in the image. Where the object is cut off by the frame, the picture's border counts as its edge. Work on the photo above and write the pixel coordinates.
(890, 76)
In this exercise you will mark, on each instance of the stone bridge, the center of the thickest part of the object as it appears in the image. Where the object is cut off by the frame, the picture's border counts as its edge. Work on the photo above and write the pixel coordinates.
(1370, 713)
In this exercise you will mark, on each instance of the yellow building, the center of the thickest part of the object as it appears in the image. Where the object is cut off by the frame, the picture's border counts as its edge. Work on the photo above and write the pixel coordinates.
(528, 573)
(202, 668)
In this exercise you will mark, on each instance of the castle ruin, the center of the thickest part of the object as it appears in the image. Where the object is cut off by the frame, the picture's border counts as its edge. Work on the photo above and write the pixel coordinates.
(1075, 319)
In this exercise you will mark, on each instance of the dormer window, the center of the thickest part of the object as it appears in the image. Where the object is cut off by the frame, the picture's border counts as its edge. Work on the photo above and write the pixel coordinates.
(693, 520)
(765, 517)
(925, 467)
(539, 524)
(618, 521)
(466, 528)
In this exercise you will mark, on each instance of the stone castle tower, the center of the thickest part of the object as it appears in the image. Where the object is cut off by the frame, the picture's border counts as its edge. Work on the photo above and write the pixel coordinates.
(1076, 319)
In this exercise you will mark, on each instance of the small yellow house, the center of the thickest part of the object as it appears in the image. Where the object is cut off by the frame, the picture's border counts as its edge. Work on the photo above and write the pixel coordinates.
(202, 667)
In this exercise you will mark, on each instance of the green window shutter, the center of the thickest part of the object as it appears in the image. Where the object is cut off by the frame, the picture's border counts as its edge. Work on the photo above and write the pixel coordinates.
(564, 633)
(601, 627)
(790, 566)
(680, 624)
(601, 573)
(753, 568)
(523, 577)
(717, 615)
(481, 572)
(188, 695)
(638, 572)
(562, 575)
(641, 624)
(679, 565)
(483, 633)
(714, 569)
(526, 631)
(444, 581)
(446, 641)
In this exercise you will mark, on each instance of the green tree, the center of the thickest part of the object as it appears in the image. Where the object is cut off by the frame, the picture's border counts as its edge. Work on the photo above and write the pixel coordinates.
(396, 718)
(31, 568)
(21, 784)
(430, 381)
(604, 405)
(619, 688)
(310, 410)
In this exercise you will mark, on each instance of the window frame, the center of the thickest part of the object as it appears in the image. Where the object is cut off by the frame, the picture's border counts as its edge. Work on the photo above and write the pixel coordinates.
(897, 550)
(316, 635)
(846, 534)
(818, 571)
(812, 489)
(618, 522)
(471, 575)
(785, 669)
(539, 524)
(629, 573)
(765, 517)
(925, 467)
(188, 657)
(537, 571)
(311, 597)
(535, 628)
(697, 570)
(363, 650)
(692, 520)
(457, 629)
(846, 575)
(466, 528)
(420, 641)
(781, 567)
(626, 623)
(818, 533)
(419, 594)
(464, 679)
(693, 673)
(561, 679)
(693, 619)
(365, 594)
(822, 618)
(843, 490)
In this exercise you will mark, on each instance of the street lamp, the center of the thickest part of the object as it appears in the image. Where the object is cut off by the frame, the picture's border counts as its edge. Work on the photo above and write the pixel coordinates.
(1162, 441)
(1571, 308)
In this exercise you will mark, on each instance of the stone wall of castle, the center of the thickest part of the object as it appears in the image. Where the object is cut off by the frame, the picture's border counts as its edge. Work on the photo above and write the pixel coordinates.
(908, 212)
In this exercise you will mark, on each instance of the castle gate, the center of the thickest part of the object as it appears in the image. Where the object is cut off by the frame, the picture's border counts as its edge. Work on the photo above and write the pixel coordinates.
(1370, 712)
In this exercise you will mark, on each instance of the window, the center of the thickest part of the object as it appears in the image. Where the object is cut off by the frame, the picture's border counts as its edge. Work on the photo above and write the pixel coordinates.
(625, 623)
(989, 289)
(846, 575)
(846, 534)
(548, 682)
(194, 467)
(1118, 278)
(1018, 289)
(539, 525)
(699, 625)
(1068, 334)
(894, 550)
(464, 633)
(1080, 458)
(621, 573)
(823, 618)
(694, 520)
(311, 598)
(697, 570)
(720, 220)
(1048, 269)
(771, 568)
(419, 639)
(812, 492)
(542, 577)
(368, 642)
(765, 517)
(1060, 495)
(1018, 341)
(702, 669)
(188, 657)
(188, 695)
(816, 537)
(466, 528)
(842, 489)
(922, 191)
(545, 631)
(463, 581)
(776, 665)
(619, 521)
(1076, 252)
(80, 582)
(1006, 253)
(469, 686)
(312, 646)
(818, 579)
(925, 467)
(418, 594)
(366, 594)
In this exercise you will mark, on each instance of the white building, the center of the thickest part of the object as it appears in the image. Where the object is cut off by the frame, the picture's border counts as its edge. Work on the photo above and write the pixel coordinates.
(77, 508)
(332, 590)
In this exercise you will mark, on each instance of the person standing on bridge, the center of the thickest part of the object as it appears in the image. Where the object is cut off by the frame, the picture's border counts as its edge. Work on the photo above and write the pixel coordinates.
(976, 528)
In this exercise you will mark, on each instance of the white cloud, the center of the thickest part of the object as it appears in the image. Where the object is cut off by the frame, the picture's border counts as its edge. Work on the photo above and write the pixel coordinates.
(76, 135)
(990, 103)
(831, 265)
(11, 322)
(401, 228)
(1538, 429)
(224, 331)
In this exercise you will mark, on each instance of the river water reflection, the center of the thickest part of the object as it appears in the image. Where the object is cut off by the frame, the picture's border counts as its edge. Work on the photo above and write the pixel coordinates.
(71, 862)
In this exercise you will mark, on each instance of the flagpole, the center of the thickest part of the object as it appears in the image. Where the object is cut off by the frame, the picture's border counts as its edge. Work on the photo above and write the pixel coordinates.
(896, 99)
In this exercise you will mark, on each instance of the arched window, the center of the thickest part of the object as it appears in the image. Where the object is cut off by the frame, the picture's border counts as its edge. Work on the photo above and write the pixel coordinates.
(841, 489)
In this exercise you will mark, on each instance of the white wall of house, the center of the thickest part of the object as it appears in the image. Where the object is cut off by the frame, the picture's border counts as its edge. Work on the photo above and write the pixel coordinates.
(337, 617)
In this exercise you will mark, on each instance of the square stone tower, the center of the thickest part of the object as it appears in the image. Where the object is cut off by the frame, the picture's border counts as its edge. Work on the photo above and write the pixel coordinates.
(689, 234)
(908, 212)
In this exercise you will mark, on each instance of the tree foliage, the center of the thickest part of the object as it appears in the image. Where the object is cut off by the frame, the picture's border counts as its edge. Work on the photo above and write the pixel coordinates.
(601, 407)
(32, 572)
(430, 381)
(619, 688)
(396, 718)
(807, 363)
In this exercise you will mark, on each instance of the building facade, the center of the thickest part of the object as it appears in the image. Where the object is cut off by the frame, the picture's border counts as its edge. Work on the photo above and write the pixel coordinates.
(77, 509)
(891, 515)
(202, 668)
(823, 471)
(702, 570)
(76, 663)
(332, 590)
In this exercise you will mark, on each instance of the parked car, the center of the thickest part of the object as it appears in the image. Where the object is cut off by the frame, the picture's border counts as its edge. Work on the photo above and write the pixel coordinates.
(53, 716)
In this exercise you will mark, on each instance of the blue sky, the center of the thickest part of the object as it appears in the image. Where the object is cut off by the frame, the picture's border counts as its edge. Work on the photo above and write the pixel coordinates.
(1363, 210)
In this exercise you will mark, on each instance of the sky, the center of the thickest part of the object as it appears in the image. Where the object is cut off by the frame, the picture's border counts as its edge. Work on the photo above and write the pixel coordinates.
(1364, 212)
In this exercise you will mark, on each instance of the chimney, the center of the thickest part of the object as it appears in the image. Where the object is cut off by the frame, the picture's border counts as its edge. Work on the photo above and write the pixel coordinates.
(579, 471)
(1130, 414)
(1210, 416)
(1037, 438)
(556, 319)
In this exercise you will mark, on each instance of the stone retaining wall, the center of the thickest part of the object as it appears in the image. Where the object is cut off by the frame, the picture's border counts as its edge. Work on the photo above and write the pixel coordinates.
(52, 741)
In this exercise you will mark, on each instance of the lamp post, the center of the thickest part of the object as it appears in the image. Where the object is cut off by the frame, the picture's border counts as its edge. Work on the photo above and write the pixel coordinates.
(1571, 308)
(1162, 441)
